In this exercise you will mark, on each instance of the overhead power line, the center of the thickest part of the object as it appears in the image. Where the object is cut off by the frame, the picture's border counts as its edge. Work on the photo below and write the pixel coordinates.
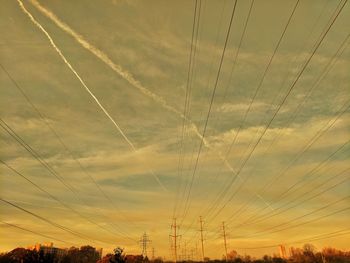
(248, 157)
(232, 69)
(279, 209)
(220, 196)
(263, 77)
(60, 140)
(187, 100)
(48, 167)
(52, 197)
(82, 82)
(35, 232)
(318, 134)
(52, 223)
(310, 239)
(292, 118)
(209, 110)
(272, 229)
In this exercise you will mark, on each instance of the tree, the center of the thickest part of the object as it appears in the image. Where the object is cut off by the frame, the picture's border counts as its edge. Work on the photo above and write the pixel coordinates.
(23, 255)
(309, 253)
(267, 258)
(5, 258)
(106, 259)
(232, 255)
(118, 256)
(88, 254)
(309, 249)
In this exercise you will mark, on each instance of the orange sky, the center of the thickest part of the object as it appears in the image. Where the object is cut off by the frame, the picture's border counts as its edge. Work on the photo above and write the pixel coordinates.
(97, 135)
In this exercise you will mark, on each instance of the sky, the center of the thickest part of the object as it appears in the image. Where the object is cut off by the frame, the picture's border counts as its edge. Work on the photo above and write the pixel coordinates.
(96, 138)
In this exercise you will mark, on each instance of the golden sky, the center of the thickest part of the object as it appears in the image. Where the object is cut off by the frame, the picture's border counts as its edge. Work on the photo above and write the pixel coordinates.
(94, 137)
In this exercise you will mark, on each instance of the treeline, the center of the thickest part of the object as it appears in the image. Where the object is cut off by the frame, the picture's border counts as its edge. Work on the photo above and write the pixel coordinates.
(86, 254)
(306, 254)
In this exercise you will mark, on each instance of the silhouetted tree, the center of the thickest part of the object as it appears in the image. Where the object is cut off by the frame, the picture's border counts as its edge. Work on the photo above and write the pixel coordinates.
(5, 258)
(23, 255)
(105, 259)
(157, 260)
(232, 255)
(118, 256)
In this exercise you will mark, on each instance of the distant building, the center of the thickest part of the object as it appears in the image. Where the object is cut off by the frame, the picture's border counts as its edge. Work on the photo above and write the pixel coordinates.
(295, 252)
(283, 251)
(48, 248)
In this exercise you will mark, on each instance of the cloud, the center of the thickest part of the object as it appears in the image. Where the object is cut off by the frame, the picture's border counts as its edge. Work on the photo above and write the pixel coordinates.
(153, 45)
(241, 107)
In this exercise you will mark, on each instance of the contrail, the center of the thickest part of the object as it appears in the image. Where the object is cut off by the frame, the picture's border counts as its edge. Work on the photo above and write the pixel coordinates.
(129, 78)
(119, 70)
(103, 57)
(227, 164)
(83, 83)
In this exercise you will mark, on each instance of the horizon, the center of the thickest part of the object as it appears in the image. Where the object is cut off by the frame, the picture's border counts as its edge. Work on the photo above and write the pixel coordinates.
(151, 256)
(197, 122)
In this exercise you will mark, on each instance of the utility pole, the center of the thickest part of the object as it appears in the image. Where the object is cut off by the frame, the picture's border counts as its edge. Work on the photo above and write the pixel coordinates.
(225, 244)
(192, 254)
(144, 241)
(175, 236)
(185, 257)
(201, 230)
(152, 253)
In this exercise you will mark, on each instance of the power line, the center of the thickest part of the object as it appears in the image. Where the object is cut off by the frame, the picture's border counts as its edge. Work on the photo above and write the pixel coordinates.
(192, 82)
(221, 16)
(258, 195)
(322, 37)
(307, 222)
(273, 228)
(66, 229)
(278, 210)
(209, 110)
(34, 232)
(307, 175)
(54, 198)
(319, 133)
(64, 145)
(314, 238)
(263, 78)
(186, 104)
(29, 149)
(82, 82)
(325, 71)
(262, 232)
(250, 219)
(220, 196)
(280, 105)
(239, 47)
(232, 70)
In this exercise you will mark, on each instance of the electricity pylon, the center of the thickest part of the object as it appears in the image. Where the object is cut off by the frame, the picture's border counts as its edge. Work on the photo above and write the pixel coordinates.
(144, 241)
(175, 236)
